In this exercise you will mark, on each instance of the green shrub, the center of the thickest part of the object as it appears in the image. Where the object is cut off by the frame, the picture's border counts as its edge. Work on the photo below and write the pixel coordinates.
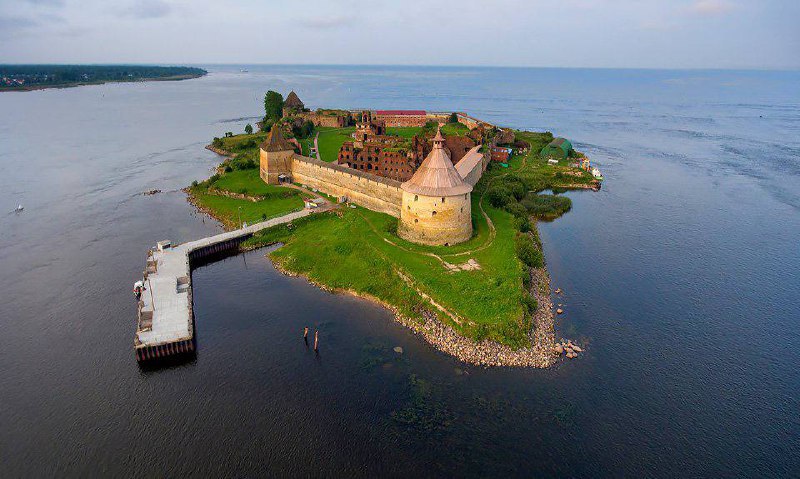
(523, 224)
(517, 210)
(227, 169)
(527, 251)
(194, 184)
(530, 304)
(516, 186)
(217, 142)
(547, 206)
(499, 196)
(213, 178)
(391, 226)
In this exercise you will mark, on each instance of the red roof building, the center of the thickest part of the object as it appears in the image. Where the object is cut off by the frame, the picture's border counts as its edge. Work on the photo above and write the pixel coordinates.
(402, 117)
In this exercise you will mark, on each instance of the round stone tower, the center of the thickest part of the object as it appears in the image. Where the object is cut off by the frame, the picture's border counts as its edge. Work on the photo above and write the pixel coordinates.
(436, 206)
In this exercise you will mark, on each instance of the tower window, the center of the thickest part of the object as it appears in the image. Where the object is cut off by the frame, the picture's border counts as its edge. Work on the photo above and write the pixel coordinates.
(416, 197)
(433, 214)
(442, 199)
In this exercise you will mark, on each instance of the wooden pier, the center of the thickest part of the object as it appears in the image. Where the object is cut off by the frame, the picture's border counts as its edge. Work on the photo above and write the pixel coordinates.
(165, 319)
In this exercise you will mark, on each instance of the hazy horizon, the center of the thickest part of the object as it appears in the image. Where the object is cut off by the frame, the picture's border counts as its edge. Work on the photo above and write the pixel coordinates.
(649, 34)
(403, 65)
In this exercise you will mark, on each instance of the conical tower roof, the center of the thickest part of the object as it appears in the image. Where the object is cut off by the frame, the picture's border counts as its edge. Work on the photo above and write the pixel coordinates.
(437, 176)
(292, 100)
(275, 141)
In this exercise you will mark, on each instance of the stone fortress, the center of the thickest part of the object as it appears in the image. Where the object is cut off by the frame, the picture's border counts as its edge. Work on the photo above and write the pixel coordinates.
(429, 194)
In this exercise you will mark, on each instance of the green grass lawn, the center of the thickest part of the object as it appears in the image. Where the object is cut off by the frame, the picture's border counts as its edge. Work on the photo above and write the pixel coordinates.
(227, 210)
(242, 143)
(248, 182)
(455, 129)
(403, 131)
(330, 142)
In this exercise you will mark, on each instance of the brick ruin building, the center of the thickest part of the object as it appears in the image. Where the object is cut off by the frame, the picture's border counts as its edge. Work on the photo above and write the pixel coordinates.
(374, 151)
(402, 117)
(293, 107)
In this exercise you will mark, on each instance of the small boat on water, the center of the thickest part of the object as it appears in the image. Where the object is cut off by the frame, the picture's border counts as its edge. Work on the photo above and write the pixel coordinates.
(18, 208)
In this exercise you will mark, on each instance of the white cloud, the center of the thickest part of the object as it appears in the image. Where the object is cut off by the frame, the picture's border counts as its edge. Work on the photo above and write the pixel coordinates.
(710, 7)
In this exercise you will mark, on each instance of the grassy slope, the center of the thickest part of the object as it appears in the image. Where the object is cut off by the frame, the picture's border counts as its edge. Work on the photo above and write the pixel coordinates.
(278, 199)
(227, 209)
(331, 140)
(330, 251)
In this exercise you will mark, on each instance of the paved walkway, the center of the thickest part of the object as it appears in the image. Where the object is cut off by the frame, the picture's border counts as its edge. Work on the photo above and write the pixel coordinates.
(168, 296)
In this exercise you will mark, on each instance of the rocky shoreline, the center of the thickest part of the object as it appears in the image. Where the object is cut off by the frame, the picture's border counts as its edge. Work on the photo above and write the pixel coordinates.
(227, 225)
(541, 354)
(220, 151)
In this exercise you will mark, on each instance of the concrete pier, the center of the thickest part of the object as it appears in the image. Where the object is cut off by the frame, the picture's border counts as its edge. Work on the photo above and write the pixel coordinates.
(165, 324)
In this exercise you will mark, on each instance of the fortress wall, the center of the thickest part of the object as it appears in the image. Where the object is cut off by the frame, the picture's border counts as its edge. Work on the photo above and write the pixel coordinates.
(327, 120)
(373, 192)
(440, 117)
(471, 122)
(471, 166)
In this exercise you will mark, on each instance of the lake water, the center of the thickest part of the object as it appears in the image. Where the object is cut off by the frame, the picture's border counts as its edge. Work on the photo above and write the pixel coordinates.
(680, 276)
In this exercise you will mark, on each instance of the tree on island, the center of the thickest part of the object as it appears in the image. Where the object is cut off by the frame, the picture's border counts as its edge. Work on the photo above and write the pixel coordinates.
(273, 105)
(248, 129)
(305, 130)
(453, 118)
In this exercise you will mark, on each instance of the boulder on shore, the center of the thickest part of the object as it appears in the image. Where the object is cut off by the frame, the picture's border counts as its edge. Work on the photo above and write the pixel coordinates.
(559, 311)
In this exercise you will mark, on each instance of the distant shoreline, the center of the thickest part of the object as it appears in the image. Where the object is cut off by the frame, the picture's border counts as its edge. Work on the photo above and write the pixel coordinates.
(99, 82)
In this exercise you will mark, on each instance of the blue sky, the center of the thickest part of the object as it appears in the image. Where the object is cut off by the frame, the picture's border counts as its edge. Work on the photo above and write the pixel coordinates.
(561, 33)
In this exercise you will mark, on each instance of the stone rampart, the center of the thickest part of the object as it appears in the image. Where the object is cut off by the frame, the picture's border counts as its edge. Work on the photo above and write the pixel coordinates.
(370, 191)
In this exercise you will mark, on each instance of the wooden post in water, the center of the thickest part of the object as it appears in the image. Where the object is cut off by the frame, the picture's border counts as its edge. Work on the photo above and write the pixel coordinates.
(316, 340)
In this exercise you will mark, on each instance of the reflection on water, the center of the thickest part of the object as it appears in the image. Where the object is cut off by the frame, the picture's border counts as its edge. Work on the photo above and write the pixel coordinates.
(678, 275)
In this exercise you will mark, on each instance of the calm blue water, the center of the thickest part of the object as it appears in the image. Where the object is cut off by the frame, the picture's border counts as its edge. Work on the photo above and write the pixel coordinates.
(681, 276)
